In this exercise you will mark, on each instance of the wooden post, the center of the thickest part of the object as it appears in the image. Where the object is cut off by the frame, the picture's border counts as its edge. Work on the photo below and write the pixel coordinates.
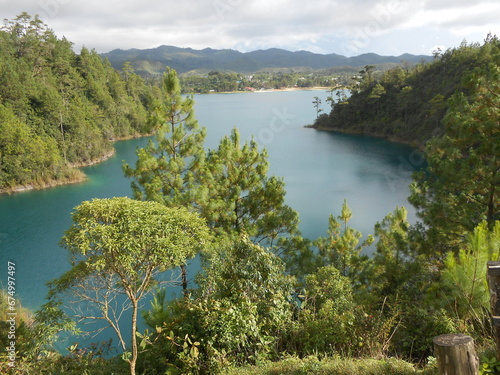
(456, 355)
(494, 287)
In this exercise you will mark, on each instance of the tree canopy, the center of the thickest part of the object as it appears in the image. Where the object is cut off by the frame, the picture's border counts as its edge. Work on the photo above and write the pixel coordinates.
(118, 247)
(71, 105)
(408, 105)
(459, 189)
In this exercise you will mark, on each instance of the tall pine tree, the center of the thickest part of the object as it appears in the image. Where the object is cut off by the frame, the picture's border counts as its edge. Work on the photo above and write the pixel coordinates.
(170, 170)
(228, 186)
(243, 198)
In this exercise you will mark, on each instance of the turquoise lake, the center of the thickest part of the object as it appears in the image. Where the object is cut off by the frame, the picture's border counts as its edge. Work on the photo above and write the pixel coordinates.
(320, 170)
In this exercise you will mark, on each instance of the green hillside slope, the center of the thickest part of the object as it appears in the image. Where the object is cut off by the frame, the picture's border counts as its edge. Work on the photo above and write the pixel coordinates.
(407, 105)
(59, 109)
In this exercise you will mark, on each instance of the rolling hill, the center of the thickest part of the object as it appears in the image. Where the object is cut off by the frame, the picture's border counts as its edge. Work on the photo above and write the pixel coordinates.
(150, 62)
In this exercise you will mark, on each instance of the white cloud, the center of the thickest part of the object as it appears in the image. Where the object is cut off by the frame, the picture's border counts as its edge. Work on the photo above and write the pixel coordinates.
(326, 26)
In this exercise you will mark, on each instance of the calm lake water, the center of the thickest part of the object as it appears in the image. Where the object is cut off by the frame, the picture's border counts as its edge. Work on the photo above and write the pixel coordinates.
(320, 170)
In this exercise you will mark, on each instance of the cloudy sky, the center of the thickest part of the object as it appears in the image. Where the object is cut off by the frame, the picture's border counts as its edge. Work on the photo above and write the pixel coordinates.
(346, 27)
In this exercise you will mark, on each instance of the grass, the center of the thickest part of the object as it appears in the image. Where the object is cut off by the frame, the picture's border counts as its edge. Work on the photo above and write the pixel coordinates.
(332, 366)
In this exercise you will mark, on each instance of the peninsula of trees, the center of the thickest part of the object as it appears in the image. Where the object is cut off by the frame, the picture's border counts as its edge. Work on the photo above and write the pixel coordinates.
(59, 109)
(408, 105)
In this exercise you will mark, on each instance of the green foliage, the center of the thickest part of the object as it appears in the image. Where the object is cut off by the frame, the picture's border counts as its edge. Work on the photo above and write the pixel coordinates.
(418, 325)
(118, 247)
(243, 199)
(326, 317)
(341, 248)
(393, 269)
(377, 92)
(489, 365)
(157, 313)
(68, 106)
(462, 288)
(26, 157)
(406, 104)
(460, 187)
(244, 299)
(236, 315)
(124, 235)
(298, 254)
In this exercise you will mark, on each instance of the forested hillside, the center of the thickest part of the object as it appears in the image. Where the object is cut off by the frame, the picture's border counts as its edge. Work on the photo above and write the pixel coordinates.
(408, 105)
(152, 61)
(59, 109)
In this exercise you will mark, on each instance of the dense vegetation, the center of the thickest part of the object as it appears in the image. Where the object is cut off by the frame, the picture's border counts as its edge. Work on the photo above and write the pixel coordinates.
(408, 105)
(216, 81)
(59, 109)
(201, 81)
(267, 300)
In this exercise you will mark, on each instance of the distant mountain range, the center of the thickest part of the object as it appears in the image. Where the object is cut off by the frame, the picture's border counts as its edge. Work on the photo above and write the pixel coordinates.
(153, 61)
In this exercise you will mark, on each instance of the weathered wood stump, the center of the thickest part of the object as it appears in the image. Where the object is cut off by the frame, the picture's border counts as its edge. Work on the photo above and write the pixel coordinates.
(456, 355)
(493, 276)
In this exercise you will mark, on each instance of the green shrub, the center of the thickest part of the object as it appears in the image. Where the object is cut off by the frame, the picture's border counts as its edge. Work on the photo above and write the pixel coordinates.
(418, 327)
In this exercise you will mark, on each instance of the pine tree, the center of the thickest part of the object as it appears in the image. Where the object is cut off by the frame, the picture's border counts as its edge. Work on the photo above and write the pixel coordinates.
(169, 170)
(394, 269)
(462, 288)
(342, 248)
(243, 198)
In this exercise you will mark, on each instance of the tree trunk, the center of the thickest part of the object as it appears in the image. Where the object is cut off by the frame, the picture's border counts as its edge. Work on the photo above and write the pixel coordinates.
(184, 281)
(490, 217)
(456, 355)
(133, 360)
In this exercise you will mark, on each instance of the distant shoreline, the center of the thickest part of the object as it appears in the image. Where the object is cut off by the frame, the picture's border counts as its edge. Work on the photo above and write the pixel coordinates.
(314, 88)
(392, 139)
(262, 91)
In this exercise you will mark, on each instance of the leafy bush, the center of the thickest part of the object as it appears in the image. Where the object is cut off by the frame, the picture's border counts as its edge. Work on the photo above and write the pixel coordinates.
(419, 326)
(235, 316)
(326, 314)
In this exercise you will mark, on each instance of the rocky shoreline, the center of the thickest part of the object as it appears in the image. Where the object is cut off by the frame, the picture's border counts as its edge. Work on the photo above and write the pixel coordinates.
(415, 145)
